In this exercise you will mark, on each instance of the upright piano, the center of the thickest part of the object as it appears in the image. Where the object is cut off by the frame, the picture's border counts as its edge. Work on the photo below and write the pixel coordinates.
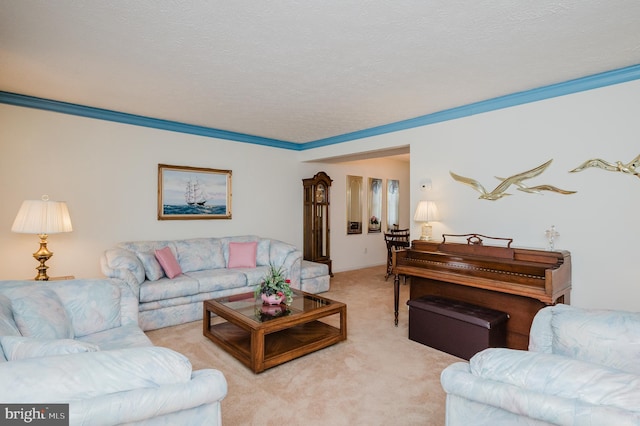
(517, 281)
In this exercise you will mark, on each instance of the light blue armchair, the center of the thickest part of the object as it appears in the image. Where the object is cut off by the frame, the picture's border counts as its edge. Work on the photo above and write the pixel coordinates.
(582, 368)
(78, 342)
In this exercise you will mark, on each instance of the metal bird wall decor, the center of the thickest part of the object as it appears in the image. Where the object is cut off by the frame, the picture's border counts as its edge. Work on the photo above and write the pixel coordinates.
(631, 168)
(539, 188)
(516, 180)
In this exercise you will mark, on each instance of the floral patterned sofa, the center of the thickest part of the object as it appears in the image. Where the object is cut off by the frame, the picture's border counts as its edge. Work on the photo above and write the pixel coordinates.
(207, 268)
(78, 342)
(581, 369)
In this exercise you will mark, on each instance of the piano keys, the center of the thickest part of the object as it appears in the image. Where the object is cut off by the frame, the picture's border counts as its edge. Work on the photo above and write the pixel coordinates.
(517, 281)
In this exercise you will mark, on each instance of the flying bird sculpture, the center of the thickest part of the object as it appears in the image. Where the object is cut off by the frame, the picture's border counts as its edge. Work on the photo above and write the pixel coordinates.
(632, 167)
(538, 188)
(499, 190)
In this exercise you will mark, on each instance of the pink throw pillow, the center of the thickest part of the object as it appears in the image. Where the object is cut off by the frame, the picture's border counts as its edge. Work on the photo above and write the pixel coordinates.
(168, 261)
(242, 255)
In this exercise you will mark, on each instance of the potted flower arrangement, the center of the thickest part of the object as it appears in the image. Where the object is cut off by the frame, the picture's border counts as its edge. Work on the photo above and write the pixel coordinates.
(275, 288)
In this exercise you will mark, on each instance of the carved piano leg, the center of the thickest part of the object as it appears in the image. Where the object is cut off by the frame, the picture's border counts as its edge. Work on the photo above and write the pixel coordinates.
(396, 297)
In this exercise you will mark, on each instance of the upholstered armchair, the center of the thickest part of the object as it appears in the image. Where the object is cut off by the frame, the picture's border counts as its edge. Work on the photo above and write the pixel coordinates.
(582, 368)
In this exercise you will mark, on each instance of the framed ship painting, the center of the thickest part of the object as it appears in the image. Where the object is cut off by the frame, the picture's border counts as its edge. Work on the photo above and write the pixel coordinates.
(193, 193)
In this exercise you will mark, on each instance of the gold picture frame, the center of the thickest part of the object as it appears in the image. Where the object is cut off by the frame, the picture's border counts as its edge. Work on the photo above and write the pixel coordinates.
(186, 193)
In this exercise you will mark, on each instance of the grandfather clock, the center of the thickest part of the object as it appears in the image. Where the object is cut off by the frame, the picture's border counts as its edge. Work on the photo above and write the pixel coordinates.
(316, 219)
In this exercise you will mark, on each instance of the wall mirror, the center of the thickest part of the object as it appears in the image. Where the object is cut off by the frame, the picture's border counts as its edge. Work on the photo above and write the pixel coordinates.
(375, 205)
(354, 204)
(393, 203)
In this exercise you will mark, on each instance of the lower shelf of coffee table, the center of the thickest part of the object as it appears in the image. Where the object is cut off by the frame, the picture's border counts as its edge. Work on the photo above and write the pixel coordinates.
(279, 347)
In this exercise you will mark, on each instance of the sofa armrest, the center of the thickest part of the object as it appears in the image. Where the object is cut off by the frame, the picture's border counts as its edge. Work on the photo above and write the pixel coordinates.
(457, 379)
(128, 304)
(91, 374)
(559, 376)
(124, 265)
(205, 387)
(608, 338)
(289, 257)
(540, 334)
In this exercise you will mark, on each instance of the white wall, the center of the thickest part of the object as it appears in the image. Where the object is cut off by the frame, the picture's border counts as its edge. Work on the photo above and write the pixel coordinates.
(598, 224)
(107, 173)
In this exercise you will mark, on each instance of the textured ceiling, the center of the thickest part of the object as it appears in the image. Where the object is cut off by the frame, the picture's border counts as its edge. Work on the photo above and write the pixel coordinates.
(303, 70)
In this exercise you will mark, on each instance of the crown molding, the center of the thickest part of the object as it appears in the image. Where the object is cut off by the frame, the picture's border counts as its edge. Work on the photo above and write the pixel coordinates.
(137, 120)
(546, 92)
(595, 81)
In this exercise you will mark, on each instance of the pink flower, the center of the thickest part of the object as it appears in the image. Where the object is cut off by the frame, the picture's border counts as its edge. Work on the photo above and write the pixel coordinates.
(280, 294)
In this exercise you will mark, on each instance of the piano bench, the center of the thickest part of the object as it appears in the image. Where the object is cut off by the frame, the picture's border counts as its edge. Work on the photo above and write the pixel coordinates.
(458, 328)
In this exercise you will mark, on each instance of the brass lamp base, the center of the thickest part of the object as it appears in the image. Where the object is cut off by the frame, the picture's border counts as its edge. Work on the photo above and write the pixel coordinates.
(42, 255)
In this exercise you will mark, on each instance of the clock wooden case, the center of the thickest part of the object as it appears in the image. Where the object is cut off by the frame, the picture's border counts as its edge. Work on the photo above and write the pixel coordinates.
(316, 219)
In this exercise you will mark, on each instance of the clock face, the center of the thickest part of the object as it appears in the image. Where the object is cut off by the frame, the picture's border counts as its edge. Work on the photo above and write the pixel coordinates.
(320, 194)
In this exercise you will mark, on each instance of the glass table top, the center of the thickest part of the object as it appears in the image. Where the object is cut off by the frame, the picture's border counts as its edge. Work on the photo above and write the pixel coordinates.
(246, 304)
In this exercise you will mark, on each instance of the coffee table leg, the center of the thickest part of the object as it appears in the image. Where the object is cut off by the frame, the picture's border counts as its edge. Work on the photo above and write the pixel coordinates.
(257, 351)
(206, 321)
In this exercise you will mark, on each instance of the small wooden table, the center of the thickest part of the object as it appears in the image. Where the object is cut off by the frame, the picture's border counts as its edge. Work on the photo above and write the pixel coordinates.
(262, 336)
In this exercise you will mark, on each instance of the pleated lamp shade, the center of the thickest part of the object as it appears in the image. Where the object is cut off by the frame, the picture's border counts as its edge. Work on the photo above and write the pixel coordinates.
(42, 217)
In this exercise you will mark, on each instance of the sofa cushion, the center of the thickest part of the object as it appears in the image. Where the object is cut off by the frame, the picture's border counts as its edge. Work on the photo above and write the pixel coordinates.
(153, 270)
(146, 246)
(279, 251)
(8, 326)
(610, 338)
(92, 305)
(89, 375)
(218, 279)
(198, 254)
(18, 347)
(242, 255)
(38, 312)
(262, 255)
(168, 261)
(255, 275)
(166, 288)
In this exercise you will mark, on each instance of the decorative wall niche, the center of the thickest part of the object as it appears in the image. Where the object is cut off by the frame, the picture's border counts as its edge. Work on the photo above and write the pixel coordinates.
(393, 203)
(354, 204)
(375, 205)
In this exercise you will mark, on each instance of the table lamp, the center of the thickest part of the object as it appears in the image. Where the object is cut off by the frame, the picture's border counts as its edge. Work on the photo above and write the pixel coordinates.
(426, 212)
(42, 217)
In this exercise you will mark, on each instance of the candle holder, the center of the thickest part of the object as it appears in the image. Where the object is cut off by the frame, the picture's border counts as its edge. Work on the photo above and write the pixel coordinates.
(551, 234)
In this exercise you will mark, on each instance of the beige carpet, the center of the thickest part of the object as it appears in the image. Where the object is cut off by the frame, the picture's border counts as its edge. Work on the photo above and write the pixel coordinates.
(376, 377)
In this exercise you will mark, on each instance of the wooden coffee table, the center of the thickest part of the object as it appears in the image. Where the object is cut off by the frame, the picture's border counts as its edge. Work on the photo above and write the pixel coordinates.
(262, 336)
